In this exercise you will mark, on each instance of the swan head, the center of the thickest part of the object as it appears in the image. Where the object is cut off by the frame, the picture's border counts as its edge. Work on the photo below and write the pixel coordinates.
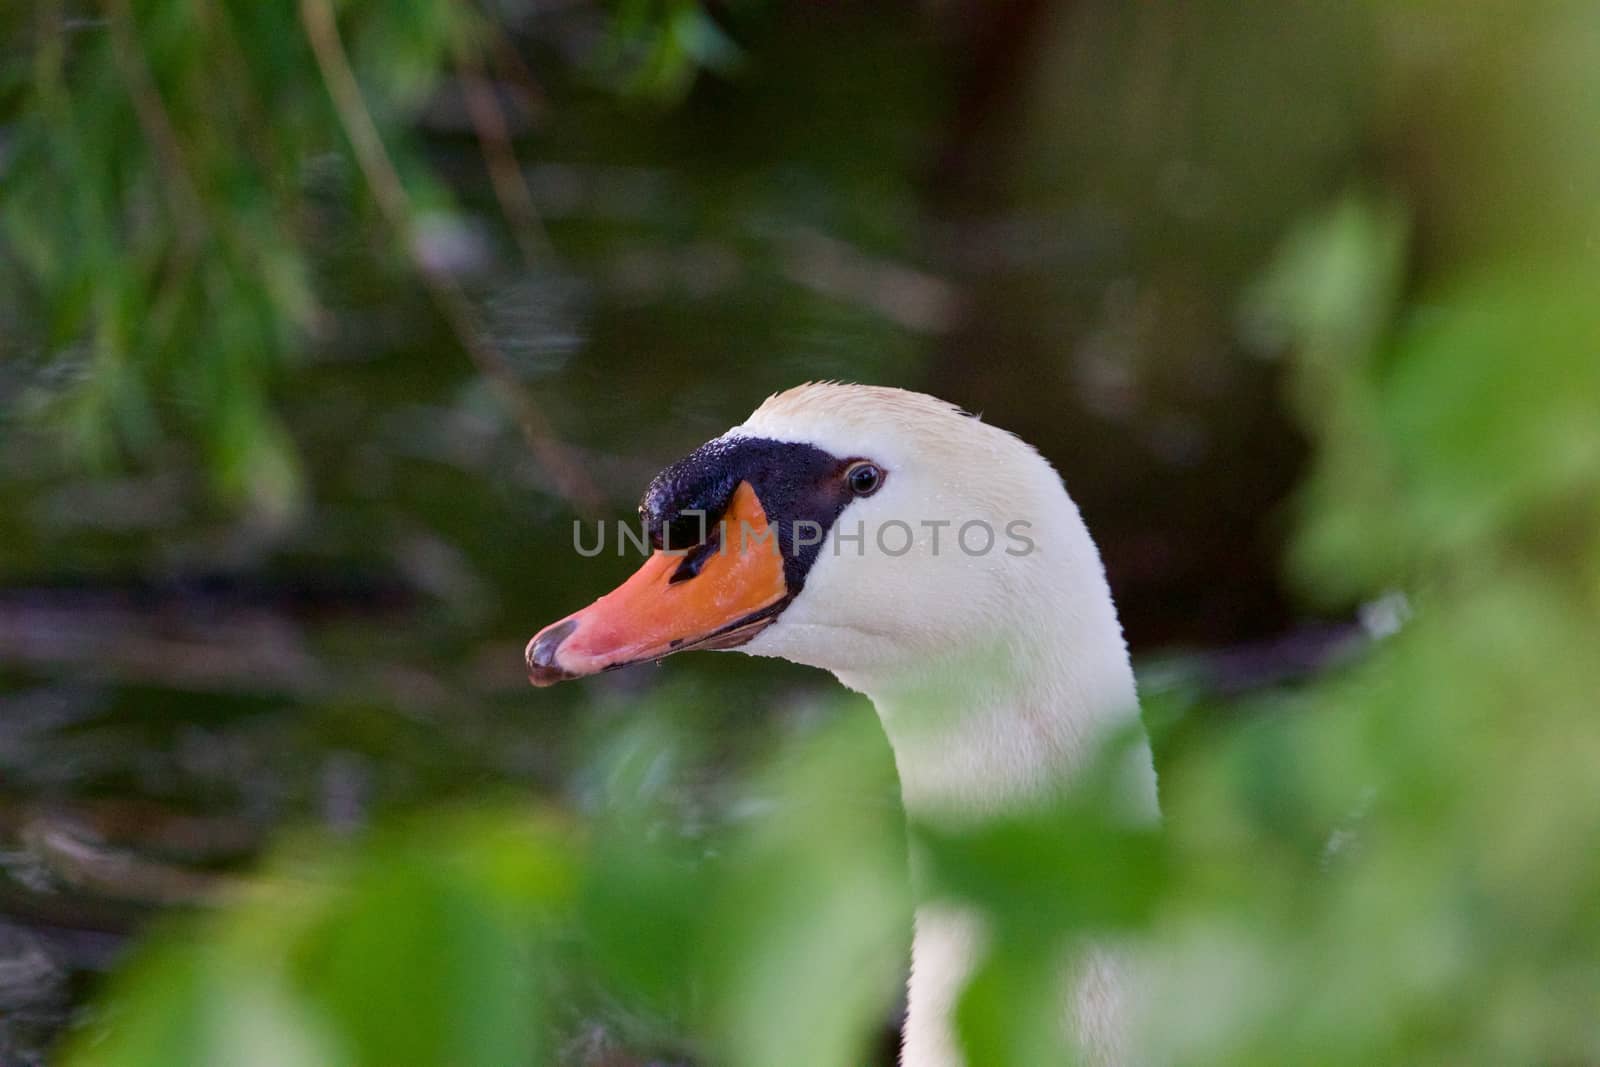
(868, 531)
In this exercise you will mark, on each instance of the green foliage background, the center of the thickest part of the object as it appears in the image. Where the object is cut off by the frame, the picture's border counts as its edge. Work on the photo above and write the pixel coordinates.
(1392, 862)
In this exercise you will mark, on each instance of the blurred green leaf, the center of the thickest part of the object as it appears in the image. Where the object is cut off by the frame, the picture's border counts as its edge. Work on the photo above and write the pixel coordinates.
(423, 948)
(810, 924)
(1011, 1010)
(196, 1006)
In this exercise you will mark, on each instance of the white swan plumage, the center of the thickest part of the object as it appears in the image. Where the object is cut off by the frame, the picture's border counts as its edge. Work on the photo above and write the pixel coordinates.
(980, 624)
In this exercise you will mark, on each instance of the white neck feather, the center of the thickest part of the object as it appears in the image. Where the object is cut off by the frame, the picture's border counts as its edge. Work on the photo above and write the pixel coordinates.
(996, 729)
(1001, 728)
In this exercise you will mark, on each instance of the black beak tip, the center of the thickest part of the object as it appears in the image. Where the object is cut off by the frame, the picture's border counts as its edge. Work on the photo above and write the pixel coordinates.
(541, 654)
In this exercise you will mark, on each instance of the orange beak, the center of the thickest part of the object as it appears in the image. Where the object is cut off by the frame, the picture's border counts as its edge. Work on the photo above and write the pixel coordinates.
(650, 615)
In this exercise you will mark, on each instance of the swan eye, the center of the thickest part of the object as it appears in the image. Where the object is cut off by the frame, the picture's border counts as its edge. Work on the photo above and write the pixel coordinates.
(864, 478)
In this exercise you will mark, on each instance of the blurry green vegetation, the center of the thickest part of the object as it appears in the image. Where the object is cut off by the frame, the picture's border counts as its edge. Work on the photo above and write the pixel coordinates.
(159, 202)
(1392, 863)
(175, 178)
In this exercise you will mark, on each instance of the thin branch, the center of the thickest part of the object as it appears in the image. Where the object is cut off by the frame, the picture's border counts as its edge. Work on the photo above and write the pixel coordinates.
(83, 863)
(509, 65)
(231, 68)
(494, 140)
(322, 31)
(183, 195)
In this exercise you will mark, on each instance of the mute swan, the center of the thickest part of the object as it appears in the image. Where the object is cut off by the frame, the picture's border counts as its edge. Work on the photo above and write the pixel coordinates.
(934, 563)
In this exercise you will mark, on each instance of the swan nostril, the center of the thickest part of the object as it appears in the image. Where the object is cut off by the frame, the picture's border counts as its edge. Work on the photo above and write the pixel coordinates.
(541, 654)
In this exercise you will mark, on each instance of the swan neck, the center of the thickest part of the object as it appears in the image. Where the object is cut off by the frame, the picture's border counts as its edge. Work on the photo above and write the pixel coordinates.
(1007, 729)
